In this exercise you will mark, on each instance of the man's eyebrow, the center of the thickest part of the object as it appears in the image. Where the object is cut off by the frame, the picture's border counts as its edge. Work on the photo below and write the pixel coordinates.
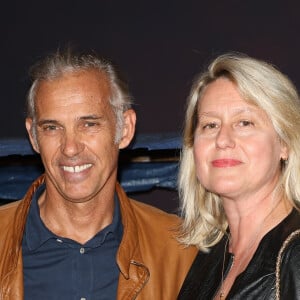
(46, 121)
(91, 117)
(51, 121)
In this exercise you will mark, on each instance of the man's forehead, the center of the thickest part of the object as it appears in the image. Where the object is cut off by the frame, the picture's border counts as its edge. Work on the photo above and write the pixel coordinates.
(88, 81)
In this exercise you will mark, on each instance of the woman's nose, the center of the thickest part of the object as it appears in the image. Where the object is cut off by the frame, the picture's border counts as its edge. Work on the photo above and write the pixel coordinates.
(225, 138)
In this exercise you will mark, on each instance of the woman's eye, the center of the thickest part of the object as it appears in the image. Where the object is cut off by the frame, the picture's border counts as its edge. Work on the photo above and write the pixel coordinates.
(245, 123)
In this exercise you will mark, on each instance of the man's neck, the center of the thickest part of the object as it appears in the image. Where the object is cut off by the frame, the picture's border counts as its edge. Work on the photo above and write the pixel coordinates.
(77, 221)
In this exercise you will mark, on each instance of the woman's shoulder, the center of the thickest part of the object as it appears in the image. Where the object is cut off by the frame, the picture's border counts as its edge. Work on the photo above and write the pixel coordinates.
(290, 248)
(288, 267)
(286, 230)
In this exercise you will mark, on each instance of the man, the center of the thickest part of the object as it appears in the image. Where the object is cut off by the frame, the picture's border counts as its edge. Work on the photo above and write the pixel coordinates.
(76, 235)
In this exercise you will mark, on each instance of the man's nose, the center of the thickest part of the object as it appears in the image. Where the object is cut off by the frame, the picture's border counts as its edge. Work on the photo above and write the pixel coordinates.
(72, 143)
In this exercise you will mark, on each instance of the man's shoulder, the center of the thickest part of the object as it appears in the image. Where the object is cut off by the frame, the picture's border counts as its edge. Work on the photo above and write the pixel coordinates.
(7, 209)
(7, 214)
(146, 210)
(158, 232)
(152, 221)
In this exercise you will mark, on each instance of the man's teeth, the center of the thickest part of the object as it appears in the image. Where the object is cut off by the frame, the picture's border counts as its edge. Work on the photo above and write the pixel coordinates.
(76, 169)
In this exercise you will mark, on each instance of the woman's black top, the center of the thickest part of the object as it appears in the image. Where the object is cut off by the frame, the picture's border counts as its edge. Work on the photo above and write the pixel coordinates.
(258, 280)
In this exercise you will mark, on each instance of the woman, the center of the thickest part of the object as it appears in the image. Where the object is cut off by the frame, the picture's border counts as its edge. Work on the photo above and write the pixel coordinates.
(238, 182)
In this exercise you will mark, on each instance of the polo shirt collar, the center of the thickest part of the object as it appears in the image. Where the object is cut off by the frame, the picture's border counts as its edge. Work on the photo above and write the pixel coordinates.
(36, 233)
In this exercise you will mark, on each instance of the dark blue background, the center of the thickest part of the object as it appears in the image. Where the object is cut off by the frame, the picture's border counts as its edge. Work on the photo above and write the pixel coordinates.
(159, 45)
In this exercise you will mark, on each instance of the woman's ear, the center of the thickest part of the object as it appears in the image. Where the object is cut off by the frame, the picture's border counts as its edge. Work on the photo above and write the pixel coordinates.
(284, 153)
(29, 128)
(128, 128)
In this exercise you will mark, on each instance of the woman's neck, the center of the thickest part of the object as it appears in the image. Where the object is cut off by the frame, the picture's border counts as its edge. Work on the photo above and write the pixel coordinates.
(249, 223)
(246, 232)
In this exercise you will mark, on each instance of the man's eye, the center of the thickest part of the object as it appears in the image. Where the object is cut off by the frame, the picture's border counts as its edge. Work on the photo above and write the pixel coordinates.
(50, 127)
(209, 126)
(90, 124)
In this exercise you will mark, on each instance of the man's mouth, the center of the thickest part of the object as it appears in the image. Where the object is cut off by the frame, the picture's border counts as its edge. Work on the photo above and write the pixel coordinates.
(76, 169)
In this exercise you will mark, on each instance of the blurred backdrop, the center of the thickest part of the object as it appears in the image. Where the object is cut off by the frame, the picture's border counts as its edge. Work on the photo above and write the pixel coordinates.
(159, 45)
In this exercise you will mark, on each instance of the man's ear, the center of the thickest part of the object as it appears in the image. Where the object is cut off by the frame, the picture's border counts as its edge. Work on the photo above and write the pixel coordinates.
(128, 128)
(29, 128)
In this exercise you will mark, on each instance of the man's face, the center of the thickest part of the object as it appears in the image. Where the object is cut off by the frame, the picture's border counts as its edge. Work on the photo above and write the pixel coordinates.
(76, 129)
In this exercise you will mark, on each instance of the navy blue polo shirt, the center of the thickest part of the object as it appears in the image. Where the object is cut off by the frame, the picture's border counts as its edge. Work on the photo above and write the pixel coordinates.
(60, 268)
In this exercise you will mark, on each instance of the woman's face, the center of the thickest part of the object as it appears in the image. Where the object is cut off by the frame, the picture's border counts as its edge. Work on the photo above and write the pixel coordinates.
(236, 149)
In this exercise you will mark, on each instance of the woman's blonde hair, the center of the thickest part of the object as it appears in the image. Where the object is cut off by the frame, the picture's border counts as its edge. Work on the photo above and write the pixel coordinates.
(263, 85)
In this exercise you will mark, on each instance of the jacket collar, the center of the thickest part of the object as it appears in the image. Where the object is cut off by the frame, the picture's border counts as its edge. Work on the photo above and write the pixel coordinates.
(129, 258)
(12, 259)
(36, 233)
(21, 215)
(129, 250)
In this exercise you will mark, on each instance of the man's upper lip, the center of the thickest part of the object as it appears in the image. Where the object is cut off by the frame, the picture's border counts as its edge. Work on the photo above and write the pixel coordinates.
(72, 163)
(225, 162)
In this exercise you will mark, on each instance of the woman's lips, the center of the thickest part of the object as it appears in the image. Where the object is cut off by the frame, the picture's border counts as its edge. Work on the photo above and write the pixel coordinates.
(225, 163)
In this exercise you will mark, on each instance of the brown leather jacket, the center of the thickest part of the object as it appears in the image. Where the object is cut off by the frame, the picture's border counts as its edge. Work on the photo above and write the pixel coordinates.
(152, 264)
